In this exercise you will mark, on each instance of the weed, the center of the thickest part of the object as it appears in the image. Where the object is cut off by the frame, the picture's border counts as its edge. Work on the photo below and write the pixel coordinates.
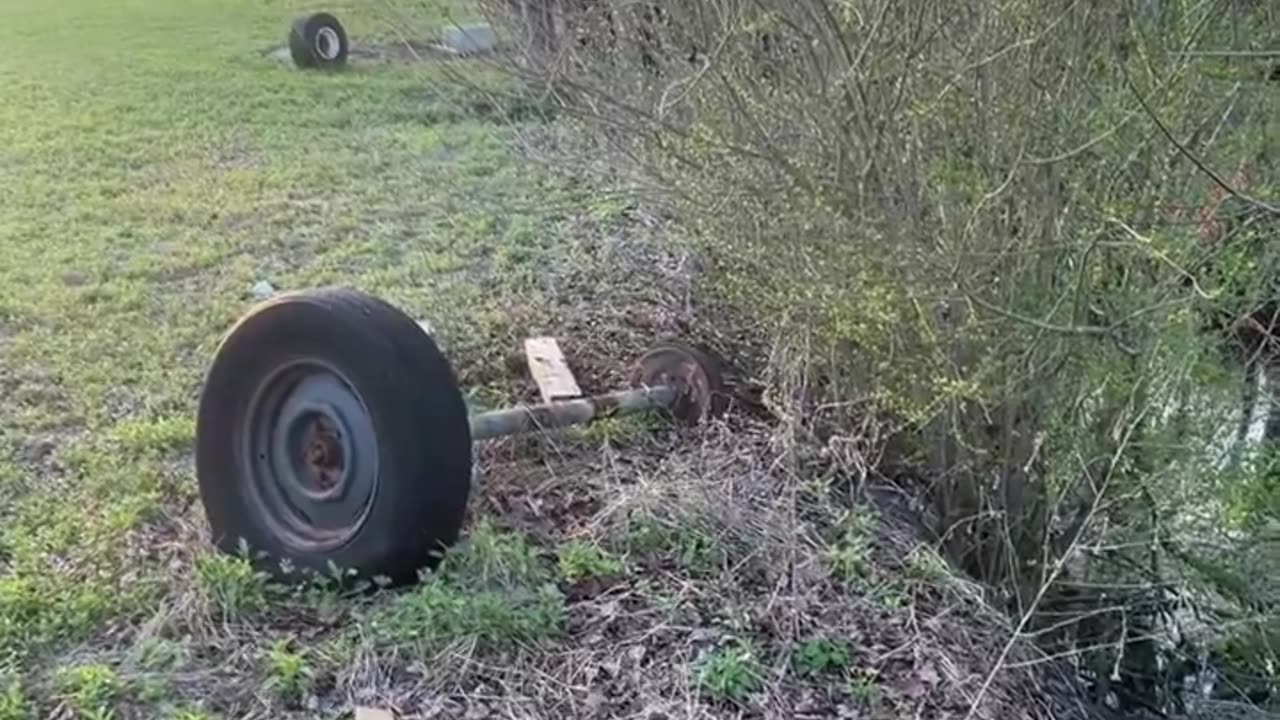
(645, 535)
(152, 689)
(730, 673)
(698, 552)
(848, 562)
(289, 675)
(864, 687)
(187, 713)
(329, 601)
(162, 435)
(441, 611)
(582, 561)
(232, 583)
(848, 555)
(160, 654)
(820, 655)
(692, 549)
(617, 431)
(493, 589)
(888, 596)
(926, 565)
(13, 702)
(90, 691)
(491, 557)
(483, 398)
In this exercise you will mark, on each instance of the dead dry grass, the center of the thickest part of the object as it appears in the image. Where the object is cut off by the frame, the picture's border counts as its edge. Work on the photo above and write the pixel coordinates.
(724, 544)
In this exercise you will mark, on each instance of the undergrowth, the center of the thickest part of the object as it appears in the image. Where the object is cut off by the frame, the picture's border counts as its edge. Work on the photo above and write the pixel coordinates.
(1020, 252)
(495, 590)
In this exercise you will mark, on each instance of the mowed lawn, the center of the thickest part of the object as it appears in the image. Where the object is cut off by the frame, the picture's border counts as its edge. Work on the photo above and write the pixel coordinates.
(154, 166)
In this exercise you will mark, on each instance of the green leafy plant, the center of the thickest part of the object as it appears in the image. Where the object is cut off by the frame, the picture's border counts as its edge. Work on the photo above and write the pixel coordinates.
(618, 430)
(583, 560)
(691, 548)
(440, 611)
(232, 583)
(864, 687)
(91, 691)
(820, 655)
(889, 596)
(14, 704)
(289, 675)
(160, 654)
(698, 552)
(152, 689)
(730, 673)
(925, 565)
(493, 589)
(848, 554)
(645, 535)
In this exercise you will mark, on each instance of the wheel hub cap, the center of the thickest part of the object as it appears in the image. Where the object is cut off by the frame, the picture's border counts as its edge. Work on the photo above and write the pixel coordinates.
(313, 457)
(327, 43)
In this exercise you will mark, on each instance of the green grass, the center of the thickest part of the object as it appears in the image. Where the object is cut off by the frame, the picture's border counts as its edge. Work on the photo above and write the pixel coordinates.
(289, 675)
(156, 165)
(494, 589)
(91, 691)
(730, 673)
(232, 583)
(581, 560)
(14, 704)
(820, 655)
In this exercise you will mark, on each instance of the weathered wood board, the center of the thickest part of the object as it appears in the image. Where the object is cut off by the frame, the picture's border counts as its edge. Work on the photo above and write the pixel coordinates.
(550, 370)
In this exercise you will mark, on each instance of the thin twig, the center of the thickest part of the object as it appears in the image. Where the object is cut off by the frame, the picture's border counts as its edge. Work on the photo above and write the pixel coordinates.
(1091, 330)
(1232, 53)
(1058, 566)
(1182, 150)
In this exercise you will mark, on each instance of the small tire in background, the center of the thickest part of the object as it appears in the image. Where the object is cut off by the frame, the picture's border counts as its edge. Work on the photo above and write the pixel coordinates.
(332, 432)
(318, 41)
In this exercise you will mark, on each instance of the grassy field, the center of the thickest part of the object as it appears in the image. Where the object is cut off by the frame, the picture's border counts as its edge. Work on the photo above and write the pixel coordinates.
(154, 166)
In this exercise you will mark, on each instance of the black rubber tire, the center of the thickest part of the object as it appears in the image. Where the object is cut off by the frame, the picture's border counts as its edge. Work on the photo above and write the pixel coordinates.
(306, 33)
(409, 394)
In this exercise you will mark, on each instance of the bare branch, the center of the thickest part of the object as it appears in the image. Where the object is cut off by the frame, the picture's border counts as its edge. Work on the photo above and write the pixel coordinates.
(1182, 150)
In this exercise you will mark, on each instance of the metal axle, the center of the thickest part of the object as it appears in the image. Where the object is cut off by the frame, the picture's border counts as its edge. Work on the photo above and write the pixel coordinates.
(580, 411)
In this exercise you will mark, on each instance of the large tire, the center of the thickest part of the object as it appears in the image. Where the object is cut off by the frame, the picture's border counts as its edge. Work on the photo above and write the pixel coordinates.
(318, 41)
(332, 433)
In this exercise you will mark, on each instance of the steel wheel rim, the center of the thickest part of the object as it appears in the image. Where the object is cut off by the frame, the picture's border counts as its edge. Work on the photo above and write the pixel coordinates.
(327, 43)
(312, 456)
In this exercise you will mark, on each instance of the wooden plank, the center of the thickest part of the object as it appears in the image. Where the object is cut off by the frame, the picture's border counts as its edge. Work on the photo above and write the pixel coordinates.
(365, 713)
(549, 369)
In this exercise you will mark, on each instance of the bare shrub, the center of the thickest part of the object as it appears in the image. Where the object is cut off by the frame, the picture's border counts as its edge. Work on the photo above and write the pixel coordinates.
(1003, 227)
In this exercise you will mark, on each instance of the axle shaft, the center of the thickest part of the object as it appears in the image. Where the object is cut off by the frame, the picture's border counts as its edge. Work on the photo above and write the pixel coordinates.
(580, 411)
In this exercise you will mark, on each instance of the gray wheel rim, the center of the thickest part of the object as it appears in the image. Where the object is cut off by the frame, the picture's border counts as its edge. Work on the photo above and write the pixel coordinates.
(312, 456)
(327, 44)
